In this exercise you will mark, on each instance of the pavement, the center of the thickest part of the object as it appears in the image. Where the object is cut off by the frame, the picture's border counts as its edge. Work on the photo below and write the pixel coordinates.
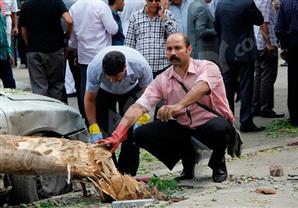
(245, 174)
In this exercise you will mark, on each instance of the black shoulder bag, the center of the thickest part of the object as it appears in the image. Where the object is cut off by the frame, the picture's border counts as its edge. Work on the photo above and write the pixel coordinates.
(235, 145)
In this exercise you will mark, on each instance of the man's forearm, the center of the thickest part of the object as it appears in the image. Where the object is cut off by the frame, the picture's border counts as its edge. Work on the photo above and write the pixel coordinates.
(14, 19)
(265, 32)
(90, 107)
(25, 35)
(196, 93)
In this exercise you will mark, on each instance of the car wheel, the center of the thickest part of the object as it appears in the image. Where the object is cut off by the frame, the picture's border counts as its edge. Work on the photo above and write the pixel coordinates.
(26, 189)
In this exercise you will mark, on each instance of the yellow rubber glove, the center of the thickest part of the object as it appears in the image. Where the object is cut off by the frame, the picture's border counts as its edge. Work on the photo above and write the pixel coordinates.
(95, 133)
(144, 119)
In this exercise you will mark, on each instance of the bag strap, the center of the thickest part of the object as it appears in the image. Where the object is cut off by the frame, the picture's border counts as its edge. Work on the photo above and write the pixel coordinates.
(199, 104)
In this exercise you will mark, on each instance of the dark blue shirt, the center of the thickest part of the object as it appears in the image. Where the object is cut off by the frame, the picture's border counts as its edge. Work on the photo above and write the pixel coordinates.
(118, 38)
(287, 19)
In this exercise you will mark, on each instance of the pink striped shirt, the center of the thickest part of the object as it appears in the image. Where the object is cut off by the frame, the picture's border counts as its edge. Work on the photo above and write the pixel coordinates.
(165, 87)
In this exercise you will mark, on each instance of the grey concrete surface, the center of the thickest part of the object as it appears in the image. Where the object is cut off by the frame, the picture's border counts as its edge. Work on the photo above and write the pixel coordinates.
(258, 148)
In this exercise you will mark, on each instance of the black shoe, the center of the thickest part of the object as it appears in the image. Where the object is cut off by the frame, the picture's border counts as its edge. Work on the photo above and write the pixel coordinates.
(255, 113)
(251, 128)
(184, 176)
(272, 114)
(219, 175)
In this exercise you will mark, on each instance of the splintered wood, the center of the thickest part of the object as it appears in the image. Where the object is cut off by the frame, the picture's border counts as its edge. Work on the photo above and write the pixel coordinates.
(54, 156)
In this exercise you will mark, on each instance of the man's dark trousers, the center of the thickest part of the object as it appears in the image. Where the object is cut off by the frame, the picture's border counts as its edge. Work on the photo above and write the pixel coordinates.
(170, 141)
(128, 160)
(245, 71)
(6, 74)
(265, 77)
(292, 77)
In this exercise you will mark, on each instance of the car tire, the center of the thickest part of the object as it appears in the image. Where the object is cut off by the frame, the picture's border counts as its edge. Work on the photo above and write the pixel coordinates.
(26, 189)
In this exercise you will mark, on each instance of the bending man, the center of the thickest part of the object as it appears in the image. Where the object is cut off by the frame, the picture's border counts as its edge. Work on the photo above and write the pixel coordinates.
(117, 74)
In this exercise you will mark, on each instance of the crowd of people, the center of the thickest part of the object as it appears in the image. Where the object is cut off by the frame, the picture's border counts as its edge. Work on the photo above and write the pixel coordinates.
(190, 60)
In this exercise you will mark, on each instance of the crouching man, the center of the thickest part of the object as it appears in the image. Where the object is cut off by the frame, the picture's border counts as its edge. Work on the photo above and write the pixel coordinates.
(183, 87)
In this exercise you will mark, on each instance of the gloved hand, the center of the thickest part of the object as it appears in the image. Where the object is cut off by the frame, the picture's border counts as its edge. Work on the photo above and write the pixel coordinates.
(118, 136)
(144, 119)
(95, 133)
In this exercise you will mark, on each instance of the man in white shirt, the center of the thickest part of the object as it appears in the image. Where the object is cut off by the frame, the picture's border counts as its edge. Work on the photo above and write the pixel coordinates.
(93, 28)
(11, 9)
(131, 6)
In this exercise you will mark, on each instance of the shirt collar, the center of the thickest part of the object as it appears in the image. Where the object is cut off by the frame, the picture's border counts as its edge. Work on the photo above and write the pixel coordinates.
(129, 71)
(190, 70)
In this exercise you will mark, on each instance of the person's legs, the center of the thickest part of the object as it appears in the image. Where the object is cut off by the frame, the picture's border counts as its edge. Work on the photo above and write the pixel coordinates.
(83, 74)
(256, 106)
(168, 141)
(246, 72)
(269, 75)
(56, 74)
(37, 73)
(293, 85)
(6, 74)
(128, 160)
(230, 75)
(216, 134)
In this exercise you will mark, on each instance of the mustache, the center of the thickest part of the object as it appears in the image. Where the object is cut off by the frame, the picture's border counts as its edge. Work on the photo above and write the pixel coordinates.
(172, 58)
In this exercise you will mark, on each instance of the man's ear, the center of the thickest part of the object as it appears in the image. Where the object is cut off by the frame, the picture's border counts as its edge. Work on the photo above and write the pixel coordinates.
(189, 49)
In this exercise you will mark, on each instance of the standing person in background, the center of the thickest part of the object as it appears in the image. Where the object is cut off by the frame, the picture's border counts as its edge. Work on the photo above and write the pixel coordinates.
(45, 40)
(201, 32)
(266, 63)
(287, 32)
(11, 9)
(147, 31)
(179, 8)
(6, 58)
(117, 6)
(93, 28)
(131, 6)
(237, 53)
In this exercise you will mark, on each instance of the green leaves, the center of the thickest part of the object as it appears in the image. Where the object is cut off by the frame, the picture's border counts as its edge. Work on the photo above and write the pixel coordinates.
(281, 128)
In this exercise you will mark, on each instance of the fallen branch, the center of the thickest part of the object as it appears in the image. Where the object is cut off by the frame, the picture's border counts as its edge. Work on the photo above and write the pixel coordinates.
(54, 156)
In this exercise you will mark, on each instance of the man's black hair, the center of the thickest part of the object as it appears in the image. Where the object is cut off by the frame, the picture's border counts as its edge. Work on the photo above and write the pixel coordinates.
(111, 2)
(113, 63)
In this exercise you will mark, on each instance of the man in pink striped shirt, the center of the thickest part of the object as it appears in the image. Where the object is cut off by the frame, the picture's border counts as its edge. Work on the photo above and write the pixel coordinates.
(169, 138)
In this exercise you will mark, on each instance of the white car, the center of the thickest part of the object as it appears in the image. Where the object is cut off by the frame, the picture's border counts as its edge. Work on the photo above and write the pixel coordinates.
(24, 113)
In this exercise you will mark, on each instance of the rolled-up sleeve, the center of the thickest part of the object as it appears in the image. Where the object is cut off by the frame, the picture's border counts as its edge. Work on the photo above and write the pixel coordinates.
(211, 75)
(93, 78)
(151, 96)
(146, 77)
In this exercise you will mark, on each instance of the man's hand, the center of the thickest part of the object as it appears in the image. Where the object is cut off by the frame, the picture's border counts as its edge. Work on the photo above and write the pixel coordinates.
(118, 136)
(270, 50)
(168, 112)
(11, 59)
(95, 133)
(15, 31)
(95, 138)
(144, 119)
(161, 13)
(110, 143)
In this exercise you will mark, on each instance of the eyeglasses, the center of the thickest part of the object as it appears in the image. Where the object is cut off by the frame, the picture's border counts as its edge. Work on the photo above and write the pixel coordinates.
(156, 1)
